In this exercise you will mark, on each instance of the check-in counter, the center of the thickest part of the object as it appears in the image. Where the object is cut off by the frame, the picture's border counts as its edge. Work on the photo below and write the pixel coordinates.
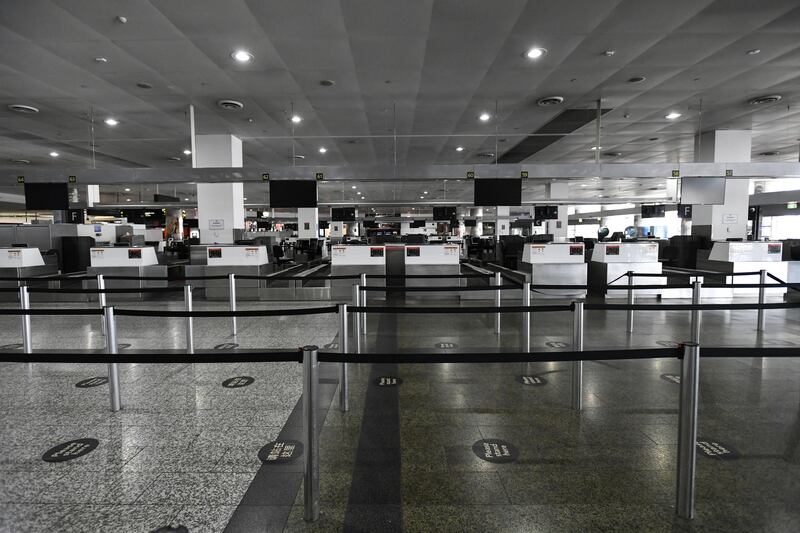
(432, 259)
(745, 256)
(610, 260)
(22, 263)
(555, 264)
(123, 261)
(354, 259)
(221, 260)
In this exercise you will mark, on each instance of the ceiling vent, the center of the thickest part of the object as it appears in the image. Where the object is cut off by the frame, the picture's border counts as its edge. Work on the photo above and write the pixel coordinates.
(298, 156)
(230, 105)
(636, 79)
(487, 155)
(173, 158)
(20, 161)
(769, 99)
(548, 101)
(770, 153)
(144, 85)
(612, 154)
(26, 109)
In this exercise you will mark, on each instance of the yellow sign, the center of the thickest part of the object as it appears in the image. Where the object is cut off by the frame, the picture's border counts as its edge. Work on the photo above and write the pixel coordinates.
(265, 176)
(676, 173)
(319, 176)
(20, 179)
(729, 172)
(471, 175)
(523, 174)
(72, 179)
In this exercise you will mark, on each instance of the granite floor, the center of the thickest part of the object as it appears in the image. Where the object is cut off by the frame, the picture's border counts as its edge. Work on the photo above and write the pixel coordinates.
(184, 449)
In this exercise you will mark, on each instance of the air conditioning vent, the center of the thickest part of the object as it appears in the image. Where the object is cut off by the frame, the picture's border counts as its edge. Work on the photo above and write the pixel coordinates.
(636, 79)
(768, 99)
(612, 154)
(487, 155)
(20, 161)
(231, 105)
(548, 101)
(770, 153)
(26, 109)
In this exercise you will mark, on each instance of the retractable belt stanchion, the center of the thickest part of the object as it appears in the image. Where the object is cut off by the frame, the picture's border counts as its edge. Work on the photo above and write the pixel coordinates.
(364, 304)
(113, 368)
(526, 317)
(630, 301)
(310, 434)
(577, 366)
(761, 299)
(101, 297)
(356, 319)
(687, 430)
(232, 299)
(187, 304)
(498, 280)
(25, 303)
(696, 288)
(344, 385)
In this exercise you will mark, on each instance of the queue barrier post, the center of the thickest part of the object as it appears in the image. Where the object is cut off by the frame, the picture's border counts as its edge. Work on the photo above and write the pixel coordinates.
(687, 430)
(310, 434)
(356, 319)
(103, 299)
(630, 302)
(526, 317)
(696, 288)
(498, 280)
(25, 304)
(187, 305)
(232, 300)
(762, 297)
(344, 385)
(363, 283)
(111, 349)
(577, 345)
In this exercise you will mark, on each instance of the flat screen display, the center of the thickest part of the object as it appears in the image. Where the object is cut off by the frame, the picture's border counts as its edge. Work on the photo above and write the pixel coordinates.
(470, 222)
(501, 191)
(343, 214)
(703, 191)
(524, 223)
(46, 196)
(444, 213)
(417, 224)
(654, 211)
(323, 224)
(293, 193)
(370, 224)
(545, 212)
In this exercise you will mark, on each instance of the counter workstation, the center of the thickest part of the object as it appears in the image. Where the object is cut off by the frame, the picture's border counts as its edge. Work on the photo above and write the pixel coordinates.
(22, 263)
(746, 256)
(124, 261)
(555, 264)
(354, 259)
(610, 260)
(221, 260)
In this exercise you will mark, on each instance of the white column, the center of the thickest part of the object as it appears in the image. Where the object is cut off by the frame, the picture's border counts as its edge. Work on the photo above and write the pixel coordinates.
(558, 227)
(92, 195)
(220, 206)
(503, 224)
(307, 222)
(729, 220)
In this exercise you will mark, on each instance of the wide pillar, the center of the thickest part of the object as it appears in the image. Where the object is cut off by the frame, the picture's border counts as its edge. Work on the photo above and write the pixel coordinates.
(729, 220)
(558, 227)
(503, 221)
(220, 206)
(307, 223)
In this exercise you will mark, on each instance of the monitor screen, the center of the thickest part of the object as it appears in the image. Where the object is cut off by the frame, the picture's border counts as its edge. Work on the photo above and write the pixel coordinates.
(501, 191)
(703, 191)
(417, 224)
(343, 214)
(444, 213)
(46, 196)
(370, 224)
(545, 212)
(293, 193)
(323, 224)
(654, 211)
(470, 222)
(524, 223)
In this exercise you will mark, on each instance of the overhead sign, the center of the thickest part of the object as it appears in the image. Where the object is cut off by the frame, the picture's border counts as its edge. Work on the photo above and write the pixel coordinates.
(72, 179)
(70, 450)
(319, 176)
(265, 176)
(470, 174)
(446, 345)
(523, 174)
(728, 172)
(20, 179)
(676, 173)
(216, 223)
(685, 211)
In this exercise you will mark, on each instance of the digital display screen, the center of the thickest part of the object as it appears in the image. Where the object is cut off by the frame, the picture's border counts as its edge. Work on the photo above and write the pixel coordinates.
(545, 212)
(376, 252)
(412, 251)
(293, 193)
(501, 191)
(215, 253)
(343, 214)
(444, 213)
(612, 250)
(417, 223)
(654, 211)
(470, 222)
(46, 196)
(135, 253)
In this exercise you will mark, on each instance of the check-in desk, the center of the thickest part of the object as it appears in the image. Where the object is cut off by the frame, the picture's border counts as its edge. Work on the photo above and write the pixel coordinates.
(610, 260)
(746, 256)
(354, 259)
(221, 260)
(432, 259)
(555, 264)
(123, 261)
(22, 263)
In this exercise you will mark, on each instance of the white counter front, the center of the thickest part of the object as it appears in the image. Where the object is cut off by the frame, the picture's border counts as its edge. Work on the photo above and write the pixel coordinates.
(747, 252)
(123, 257)
(20, 257)
(432, 254)
(357, 255)
(236, 255)
(555, 253)
(625, 252)
(611, 260)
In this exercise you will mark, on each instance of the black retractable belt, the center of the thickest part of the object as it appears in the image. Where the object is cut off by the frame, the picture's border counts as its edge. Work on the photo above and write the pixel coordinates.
(461, 310)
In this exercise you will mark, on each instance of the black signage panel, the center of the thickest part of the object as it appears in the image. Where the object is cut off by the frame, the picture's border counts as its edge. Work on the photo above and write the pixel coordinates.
(281, 451)
(238, 382)
(495, 451)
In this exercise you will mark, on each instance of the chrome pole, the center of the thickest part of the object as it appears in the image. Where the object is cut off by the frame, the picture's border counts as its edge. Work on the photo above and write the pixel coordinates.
(526, 317)
(577, 366)
(344, 385)
(25, 304)
(356, 319)
(187, 304)
(232, 300)
(311, 437)
(363, 304)
(101, 297)
(687, 429)
(762, 294)
(696, 287)
(111, 349)
(630, 301)
(498, 280)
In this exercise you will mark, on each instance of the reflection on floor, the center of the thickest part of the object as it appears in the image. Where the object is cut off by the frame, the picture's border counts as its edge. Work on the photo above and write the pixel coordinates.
(184, 448)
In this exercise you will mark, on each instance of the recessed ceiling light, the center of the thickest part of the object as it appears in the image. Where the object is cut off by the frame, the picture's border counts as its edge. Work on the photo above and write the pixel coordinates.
(327, 83)
(599, 195)
(173, 158)
(583, 185)
(242, 56)
(421, 197)
(187, 152)
(484, 117)
(244, 198)
(535, 52)
(185, 199)
(25, 109)
(672, 116)
(20, 161)
(768, 99)
(354, 187)
(754, 51)
(111, 121)
(297, 119)
(424, 192)
(548, 101)
(322, 149)
(127, 189)
(595, 148)
(53, 154)
(144, 85)
(127, 199)
(101, 60)
(230, 105)
(636, 79)
(459, 148)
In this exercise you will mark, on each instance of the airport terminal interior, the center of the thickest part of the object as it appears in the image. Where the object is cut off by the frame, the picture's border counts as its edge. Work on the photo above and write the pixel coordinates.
(384, 266)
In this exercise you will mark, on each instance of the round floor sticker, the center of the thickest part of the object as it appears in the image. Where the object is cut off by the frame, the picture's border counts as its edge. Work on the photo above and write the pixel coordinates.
(556, 344)
(672, 378)
(226, 346)
(332, 346)
(495, 451)
(534, 381)
(238, 382)
(388, 381)
(668, 344)
(12, 346)
(446, 345)
(91, 382)
(714, 449)
(70, 450)
(280, 451)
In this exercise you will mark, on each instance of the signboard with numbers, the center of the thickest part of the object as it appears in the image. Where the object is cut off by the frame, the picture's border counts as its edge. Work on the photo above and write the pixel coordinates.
(281, 451)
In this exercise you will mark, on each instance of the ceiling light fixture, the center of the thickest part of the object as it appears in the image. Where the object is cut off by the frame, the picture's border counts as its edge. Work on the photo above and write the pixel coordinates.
(242, 56)
(595, 148)
(24, 109)
(609, 53)
(424, 192)
(127, 199)
(53, 154)
(297, 119)
(754, 51)
(111, 121)
(187, 152)
(127, 189)
(354, 187)
(322, 149)
(548, 101)
(484, 117)
(185, 199)
(768, 99)
(101, 60)
(583, 185)
(672, 116)
(535, 52)
(459, 148)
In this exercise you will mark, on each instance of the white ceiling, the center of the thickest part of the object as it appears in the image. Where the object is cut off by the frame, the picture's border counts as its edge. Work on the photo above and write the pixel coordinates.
(423, 70)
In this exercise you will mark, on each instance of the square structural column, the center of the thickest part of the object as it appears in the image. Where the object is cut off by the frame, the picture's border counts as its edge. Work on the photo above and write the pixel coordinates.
(503, 225)
(220, 206)
(307, 222)
(558, 227)
(729, 220)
